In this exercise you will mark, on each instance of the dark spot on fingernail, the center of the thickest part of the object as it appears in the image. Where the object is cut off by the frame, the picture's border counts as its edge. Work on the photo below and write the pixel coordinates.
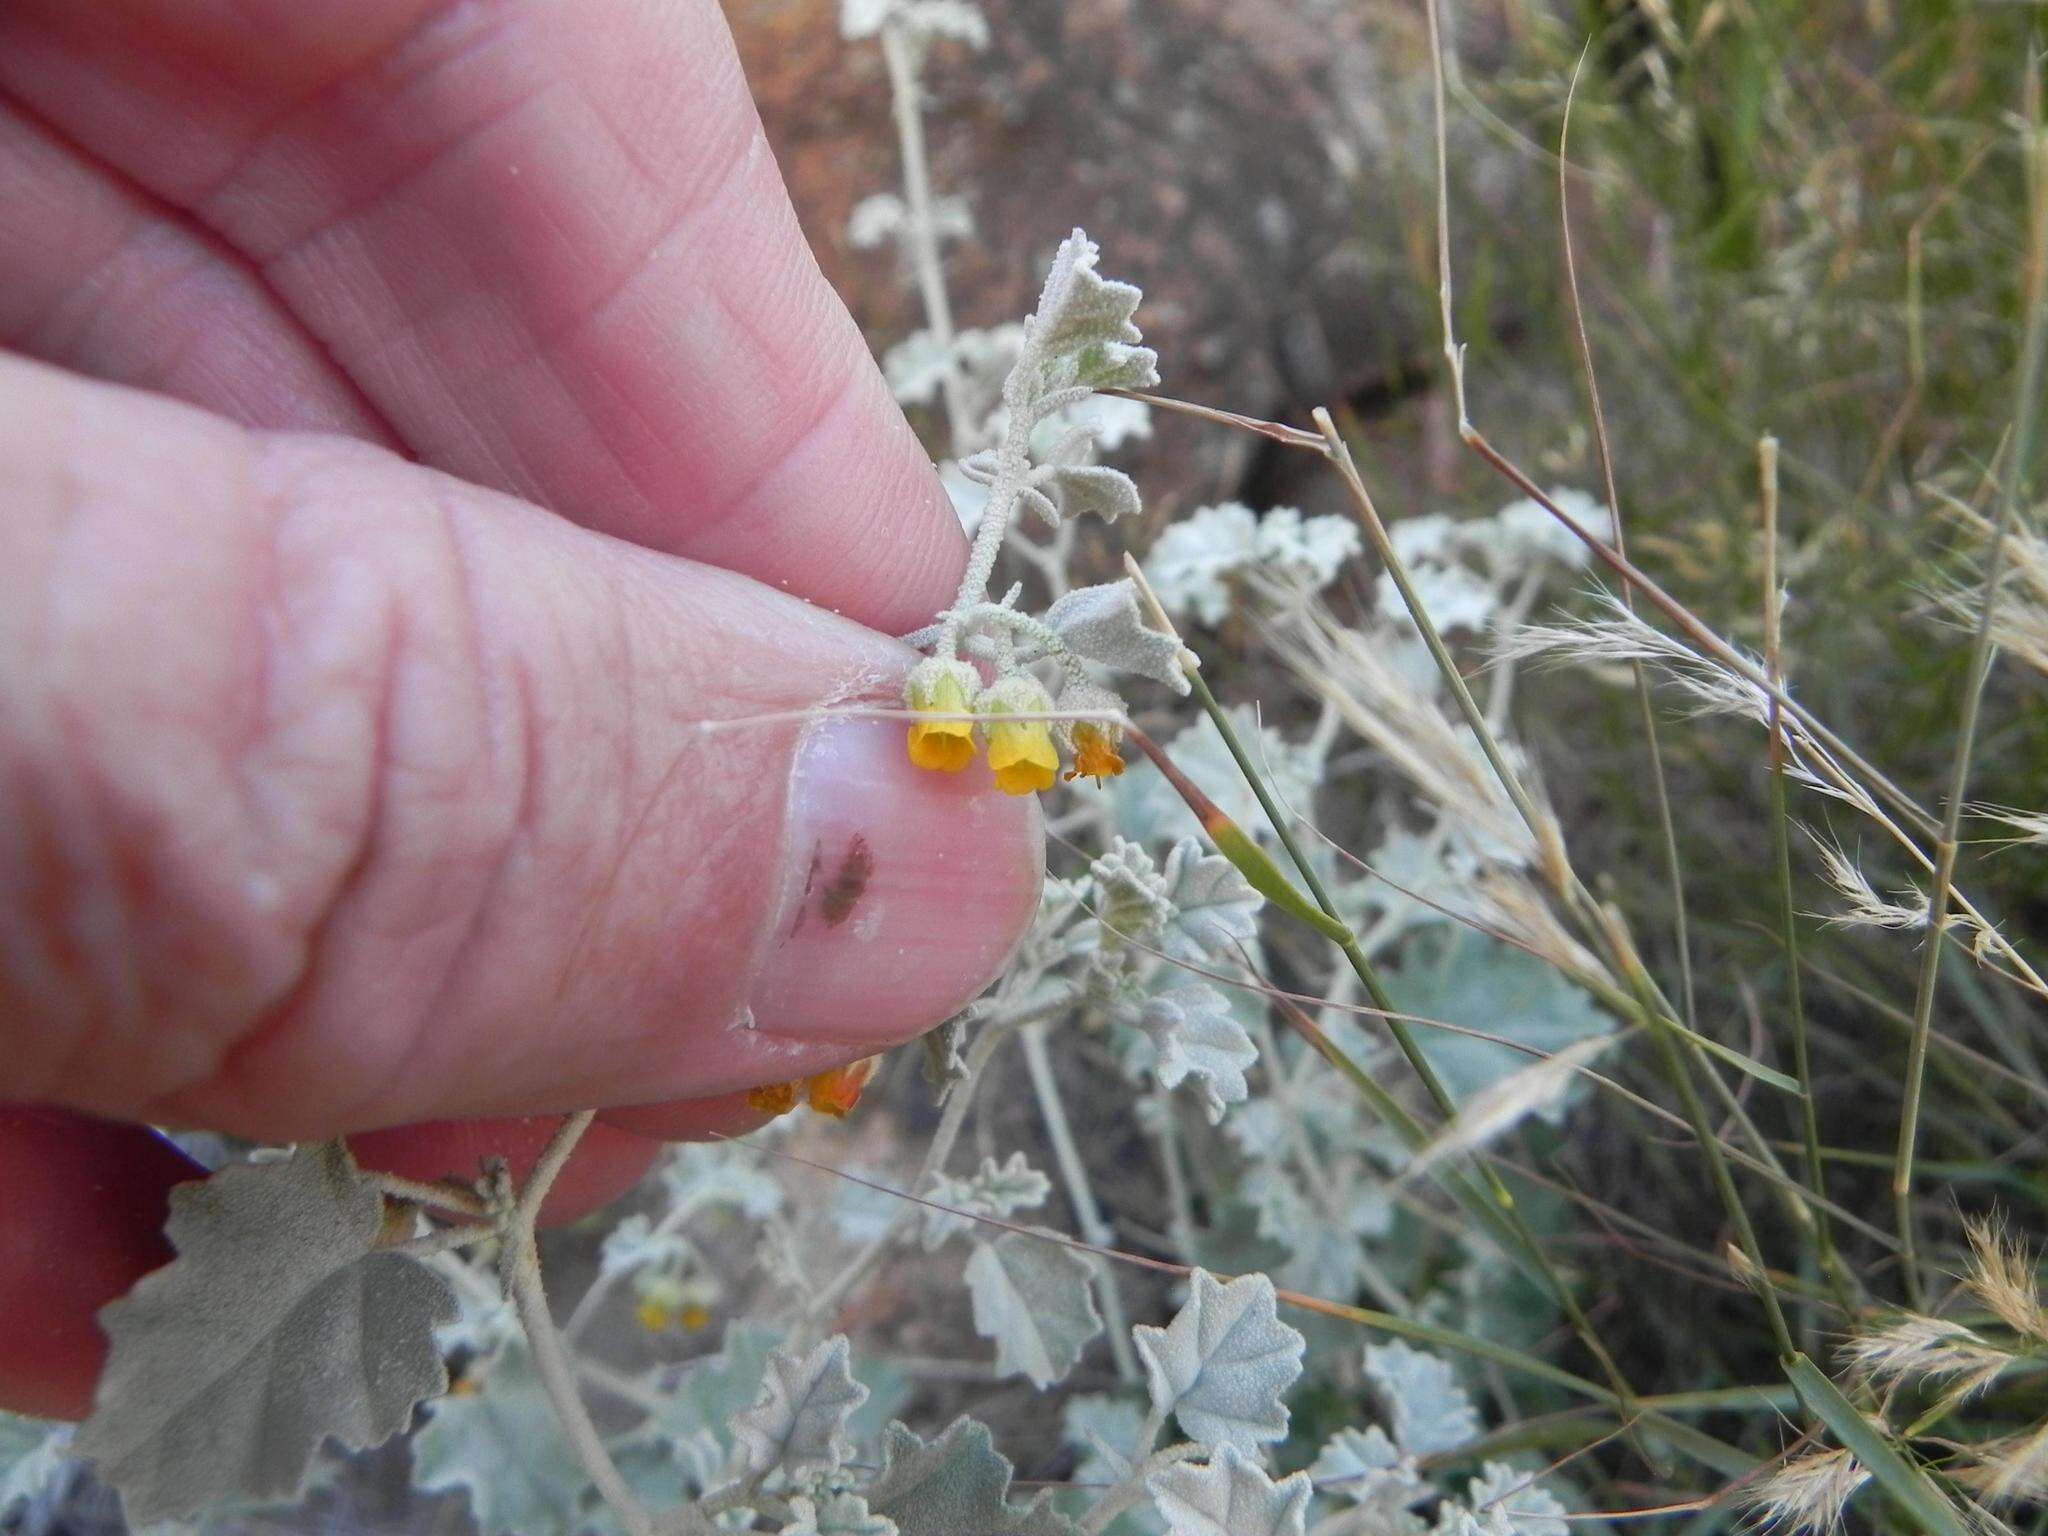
(803, 905)
(843, 894)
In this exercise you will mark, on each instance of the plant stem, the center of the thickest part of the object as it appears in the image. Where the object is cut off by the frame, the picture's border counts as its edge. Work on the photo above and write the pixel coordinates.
(1660, 782)
(519, 1270)
(2012, 491)
(1080, 1193)
(906, 103)
(1788, 921)
(442, 1195)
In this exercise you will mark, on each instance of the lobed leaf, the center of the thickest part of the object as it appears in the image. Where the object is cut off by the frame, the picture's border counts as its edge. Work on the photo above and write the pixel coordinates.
(798, 1424)
(1231, 1495)
(1224, 1363)
(1034, 1299)
(500, 1441)
(1196, 1035)
(1215, 907)
(956, 1485)
(280, 1323)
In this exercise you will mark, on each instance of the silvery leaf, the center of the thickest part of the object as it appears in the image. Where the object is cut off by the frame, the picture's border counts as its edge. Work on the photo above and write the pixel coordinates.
(916, 368)
(798, 1424)
(1452, 596)
(1192, 559)
(836, 1514)
(499, 1440)
(714, 1173)
(1508, 1503)
(1311, 550)
(634, 1244)
(1231, 1495)
(1034, 1299)
(1105, 1430)
(1130, 894)
(1081, 335)
(956, 1485)
(280, 1323)
(1281, 1209)
(32, 1454)
(1107, 624)
(1225, 1362)
(993, 1189)
(1077, 489)
(1430, 1411)
(1215, 908)
(879, 217)
(1366, 1468)
(1196, 1035)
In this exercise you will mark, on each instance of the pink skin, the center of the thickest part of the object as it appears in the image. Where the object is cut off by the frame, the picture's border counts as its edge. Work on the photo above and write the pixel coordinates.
(434, 418)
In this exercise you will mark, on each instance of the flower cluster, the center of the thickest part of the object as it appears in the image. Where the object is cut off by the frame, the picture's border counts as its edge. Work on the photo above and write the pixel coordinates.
(976, 689)
(1010, 715)
(834, 1092)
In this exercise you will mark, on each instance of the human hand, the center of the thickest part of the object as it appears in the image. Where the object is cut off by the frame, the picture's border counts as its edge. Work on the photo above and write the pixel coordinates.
(434, 417)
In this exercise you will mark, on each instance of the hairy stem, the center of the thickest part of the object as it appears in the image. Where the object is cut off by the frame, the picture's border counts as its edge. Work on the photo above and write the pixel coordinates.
(519, 1270)
(906, 102)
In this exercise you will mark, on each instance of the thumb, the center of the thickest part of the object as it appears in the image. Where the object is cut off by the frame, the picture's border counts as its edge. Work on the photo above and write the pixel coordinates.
(342, 794)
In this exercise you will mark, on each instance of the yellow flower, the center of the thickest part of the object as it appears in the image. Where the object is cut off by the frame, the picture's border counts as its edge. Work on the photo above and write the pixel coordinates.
(835, 1092)
(694, 1316)
(1020, 751)
(773, 1099)
(652, 1316)
(1095, 753)
(940, 687)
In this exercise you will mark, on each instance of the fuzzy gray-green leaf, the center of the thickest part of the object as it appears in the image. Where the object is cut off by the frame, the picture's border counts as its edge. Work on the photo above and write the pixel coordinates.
(1106, 623)
(1222, 1367)
(1215, 907)
(1033, 1298)
(956, 1485)
(278, 1324)
(499, 1441)
(798, 1424)
(1197, 1036)
(1229, 1496)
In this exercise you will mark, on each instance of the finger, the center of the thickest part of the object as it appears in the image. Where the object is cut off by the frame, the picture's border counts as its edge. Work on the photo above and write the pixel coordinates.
(341, 794)
(550, 244)
(81, 1222)
(606, 1163)
(726, 1114)
(98, 276)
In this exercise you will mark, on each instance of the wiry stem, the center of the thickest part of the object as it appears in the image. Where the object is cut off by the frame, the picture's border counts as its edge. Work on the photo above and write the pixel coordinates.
(906, 102)
(1660, 782)
(1404, 1038)
(1074, 1174)
(2012, 492)
(1788, 920)
(519, 1271)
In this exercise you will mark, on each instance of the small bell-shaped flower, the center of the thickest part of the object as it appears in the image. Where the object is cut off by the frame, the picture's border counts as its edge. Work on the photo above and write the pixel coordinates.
(1020, 751)
(1093, 743)
(941, 687)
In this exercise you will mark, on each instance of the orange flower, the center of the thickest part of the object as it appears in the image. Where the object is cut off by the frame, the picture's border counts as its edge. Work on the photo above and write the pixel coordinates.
(1095, 753)
(941, 687)
(773, 1099)
(836, 1092)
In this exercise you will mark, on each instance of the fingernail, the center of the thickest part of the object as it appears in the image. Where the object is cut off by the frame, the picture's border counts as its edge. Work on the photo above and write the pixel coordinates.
(904, 893)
